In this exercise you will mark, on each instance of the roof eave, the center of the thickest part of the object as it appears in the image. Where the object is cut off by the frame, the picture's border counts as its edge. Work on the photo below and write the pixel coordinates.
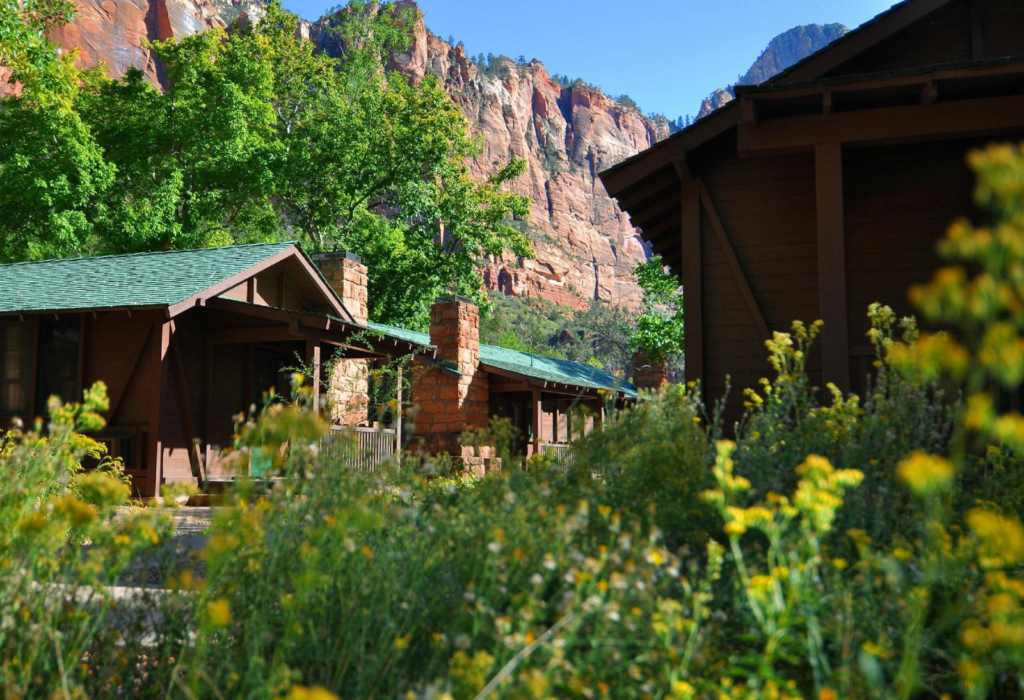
(85, 310)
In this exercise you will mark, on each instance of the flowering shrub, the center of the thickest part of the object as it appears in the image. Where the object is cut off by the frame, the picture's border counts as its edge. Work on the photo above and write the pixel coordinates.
(59, 624)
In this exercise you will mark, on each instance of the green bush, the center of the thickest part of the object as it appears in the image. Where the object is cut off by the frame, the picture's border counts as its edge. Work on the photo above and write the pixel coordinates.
(653, 462)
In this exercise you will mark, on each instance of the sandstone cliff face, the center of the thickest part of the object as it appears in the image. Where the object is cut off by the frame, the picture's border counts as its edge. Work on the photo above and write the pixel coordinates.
(585, 246)
(113, 31)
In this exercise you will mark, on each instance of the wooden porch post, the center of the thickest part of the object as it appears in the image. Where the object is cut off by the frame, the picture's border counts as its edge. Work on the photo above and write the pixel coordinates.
(398, 418)
(554, 424)
(690, 274)
(835, 346)
(313, 360)
(184, 401)
(599, 417)
(207, 414)
(161, 342)
(536, 424)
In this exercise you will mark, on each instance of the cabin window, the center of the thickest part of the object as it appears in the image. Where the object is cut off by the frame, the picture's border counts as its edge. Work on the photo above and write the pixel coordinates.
(59, 345)
(16, 338)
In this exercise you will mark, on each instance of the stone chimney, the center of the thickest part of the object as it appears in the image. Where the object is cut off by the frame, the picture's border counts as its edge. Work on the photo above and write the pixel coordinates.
(453, 393)
(648, 375)
(346, 274)
(349, 392)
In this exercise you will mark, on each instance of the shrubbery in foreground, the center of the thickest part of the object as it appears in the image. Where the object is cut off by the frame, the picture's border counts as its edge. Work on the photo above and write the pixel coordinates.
(868, 548)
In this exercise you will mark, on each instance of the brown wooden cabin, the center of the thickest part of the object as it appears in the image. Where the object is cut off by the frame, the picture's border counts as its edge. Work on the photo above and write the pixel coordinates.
(184, 340)
(827, 187)
(187, 340)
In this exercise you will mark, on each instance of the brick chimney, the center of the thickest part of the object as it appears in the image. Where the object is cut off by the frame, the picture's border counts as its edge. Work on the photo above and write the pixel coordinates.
(346, 274)
(455, 331)
(649, 375)
(349, 392)
(450, 403)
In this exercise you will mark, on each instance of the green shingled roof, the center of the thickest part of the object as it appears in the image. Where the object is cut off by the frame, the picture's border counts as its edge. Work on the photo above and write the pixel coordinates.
(527, 364)
(141, 279)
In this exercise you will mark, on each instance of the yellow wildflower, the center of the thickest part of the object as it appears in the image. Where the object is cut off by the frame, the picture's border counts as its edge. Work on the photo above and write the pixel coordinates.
(317, 693)
(926, 474)
(1002, 539)
(219, 612)
(876, 650)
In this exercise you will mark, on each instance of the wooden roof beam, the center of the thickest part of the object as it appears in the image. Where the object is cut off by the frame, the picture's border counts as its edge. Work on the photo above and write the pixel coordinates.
(668, 227)
(887, 125)
(655, 189)
(644, 217)
(633, 170)
(929, 93)
(912, 80)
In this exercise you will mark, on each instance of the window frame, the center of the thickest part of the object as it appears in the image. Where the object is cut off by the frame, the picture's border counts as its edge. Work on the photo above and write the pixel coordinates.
(33, 409)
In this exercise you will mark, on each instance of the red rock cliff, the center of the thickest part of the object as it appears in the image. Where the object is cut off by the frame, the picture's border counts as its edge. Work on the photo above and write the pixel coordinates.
(586, 248)
(113, 31)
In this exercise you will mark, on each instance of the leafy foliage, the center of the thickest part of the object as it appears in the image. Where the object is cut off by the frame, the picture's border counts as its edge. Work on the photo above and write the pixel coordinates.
(34, 60)
(659, 330)
(596, 335)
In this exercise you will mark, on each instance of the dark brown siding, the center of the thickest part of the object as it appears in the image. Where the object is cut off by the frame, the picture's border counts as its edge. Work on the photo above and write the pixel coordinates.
(187, 340)
(942, 37)
(113, 345)
(1002, 23)
(945, 36)
(766, 205)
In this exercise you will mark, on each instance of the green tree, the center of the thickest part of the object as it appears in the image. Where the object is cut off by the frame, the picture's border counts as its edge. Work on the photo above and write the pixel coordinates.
(196, 164)
(24, 48)
(659, 329)
(52, 174)
(51, 169)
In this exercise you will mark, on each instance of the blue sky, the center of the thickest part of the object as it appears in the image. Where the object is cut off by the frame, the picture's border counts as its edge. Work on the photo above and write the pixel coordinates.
(666, 54)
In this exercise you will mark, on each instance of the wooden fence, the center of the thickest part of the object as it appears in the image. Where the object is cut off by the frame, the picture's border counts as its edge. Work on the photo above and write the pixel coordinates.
(361, 448)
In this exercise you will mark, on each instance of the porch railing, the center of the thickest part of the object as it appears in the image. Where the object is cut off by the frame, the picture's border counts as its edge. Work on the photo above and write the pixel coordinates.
(563, 452)
(363, 449)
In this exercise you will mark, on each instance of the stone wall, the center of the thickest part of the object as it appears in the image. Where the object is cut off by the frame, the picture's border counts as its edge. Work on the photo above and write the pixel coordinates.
(346, 274)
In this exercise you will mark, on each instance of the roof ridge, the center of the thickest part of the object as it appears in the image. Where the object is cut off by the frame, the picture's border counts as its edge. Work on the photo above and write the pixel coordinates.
(147, 253)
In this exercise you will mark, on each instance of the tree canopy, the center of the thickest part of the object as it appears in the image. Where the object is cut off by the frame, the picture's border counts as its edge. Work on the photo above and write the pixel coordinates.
(258, 136)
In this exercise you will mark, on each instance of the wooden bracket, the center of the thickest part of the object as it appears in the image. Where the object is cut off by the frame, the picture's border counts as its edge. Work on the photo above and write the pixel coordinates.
(734, 263)
(929, 93)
